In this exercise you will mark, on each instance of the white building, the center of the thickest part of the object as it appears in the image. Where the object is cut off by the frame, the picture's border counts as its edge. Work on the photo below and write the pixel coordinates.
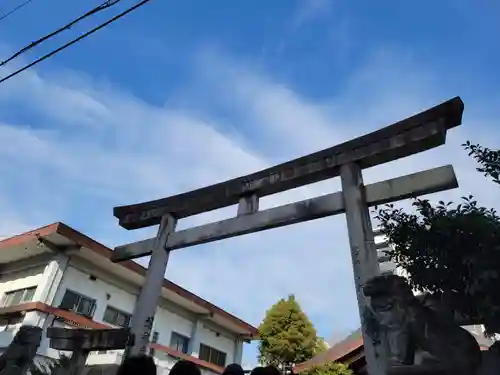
(57, 276)
(381, 244)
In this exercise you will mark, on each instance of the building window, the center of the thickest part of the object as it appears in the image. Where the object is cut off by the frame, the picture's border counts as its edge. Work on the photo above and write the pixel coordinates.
(78, 303)
(116, 317)
(179, 342)
(212, 355)
(11, 323)
(16, 297)
(154, 340)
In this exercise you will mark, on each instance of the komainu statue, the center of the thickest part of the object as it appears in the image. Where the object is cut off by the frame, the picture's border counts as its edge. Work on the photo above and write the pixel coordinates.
(22, 350)
(420, 341)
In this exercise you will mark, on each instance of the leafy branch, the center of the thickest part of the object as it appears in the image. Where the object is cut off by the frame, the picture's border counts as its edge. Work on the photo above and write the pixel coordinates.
(487, 158)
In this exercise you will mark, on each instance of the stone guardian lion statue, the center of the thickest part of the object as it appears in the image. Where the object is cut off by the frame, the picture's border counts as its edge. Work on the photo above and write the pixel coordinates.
(420, 341)
(21, 351)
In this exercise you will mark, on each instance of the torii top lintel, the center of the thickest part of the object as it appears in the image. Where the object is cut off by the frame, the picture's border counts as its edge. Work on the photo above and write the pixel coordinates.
(415, 134)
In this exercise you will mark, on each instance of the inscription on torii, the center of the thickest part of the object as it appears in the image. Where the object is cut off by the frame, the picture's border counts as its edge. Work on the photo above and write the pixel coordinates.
(415, 134)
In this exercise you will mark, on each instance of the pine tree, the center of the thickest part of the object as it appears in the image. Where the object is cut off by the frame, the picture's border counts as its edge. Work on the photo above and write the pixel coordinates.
(287, 336)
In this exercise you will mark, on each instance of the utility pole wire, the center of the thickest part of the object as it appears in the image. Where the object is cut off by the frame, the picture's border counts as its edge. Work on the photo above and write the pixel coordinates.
(115, 18)
(14, 10)
(105, 5)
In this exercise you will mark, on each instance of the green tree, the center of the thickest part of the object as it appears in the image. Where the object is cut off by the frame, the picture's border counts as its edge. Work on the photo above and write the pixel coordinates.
(287, 336)
(322, 345)
(329, 368)
(452, 251)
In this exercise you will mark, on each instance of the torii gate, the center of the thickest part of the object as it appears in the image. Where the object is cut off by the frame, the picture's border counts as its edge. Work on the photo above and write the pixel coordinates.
(415, 134)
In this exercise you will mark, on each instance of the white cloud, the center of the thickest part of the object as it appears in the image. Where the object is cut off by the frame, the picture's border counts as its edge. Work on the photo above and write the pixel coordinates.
(80, 147)
(310, 10)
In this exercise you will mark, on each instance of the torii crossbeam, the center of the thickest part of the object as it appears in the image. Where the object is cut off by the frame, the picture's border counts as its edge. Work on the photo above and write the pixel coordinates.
(415, 134)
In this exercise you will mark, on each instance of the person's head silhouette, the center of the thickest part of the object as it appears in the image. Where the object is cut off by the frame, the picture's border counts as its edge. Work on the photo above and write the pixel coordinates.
(259, 370)
(272, 370)
(184, 367)
(233, 369)
(141, 364)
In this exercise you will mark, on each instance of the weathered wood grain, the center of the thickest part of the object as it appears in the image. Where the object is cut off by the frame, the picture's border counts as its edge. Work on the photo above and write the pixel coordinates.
(412, 185)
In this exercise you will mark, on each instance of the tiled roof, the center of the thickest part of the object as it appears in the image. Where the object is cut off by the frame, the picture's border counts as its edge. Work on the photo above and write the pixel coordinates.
(342, 351)
(336, 352)
(87, 242)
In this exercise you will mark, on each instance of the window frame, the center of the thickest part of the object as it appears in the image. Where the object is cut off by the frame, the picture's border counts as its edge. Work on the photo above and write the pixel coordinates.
(6, 302)
(81, 297)
(10, 323)
(155, 335)
(118, 312)
(176, 336)
(213, 352)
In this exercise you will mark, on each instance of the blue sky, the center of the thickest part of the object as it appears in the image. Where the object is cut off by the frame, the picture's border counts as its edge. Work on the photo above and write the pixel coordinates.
(178, 95)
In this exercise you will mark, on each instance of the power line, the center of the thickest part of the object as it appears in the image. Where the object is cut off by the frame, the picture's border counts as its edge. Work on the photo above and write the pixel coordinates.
(76, 40)
(105, 5)
(14, 10)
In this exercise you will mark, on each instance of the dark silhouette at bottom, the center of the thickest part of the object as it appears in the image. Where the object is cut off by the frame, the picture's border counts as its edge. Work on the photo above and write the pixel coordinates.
(233, 369)
(141, 364)
(145, 365)
(184, 367)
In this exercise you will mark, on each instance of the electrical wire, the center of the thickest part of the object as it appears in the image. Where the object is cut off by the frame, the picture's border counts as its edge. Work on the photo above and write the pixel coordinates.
(105, 5)
(76, 40)
(14, 10)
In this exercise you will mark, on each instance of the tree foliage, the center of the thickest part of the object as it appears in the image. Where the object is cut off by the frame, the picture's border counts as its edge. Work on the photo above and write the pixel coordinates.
(287, 336)
(322, 346)
(330, 368)
(489, 160)
(452, 251)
